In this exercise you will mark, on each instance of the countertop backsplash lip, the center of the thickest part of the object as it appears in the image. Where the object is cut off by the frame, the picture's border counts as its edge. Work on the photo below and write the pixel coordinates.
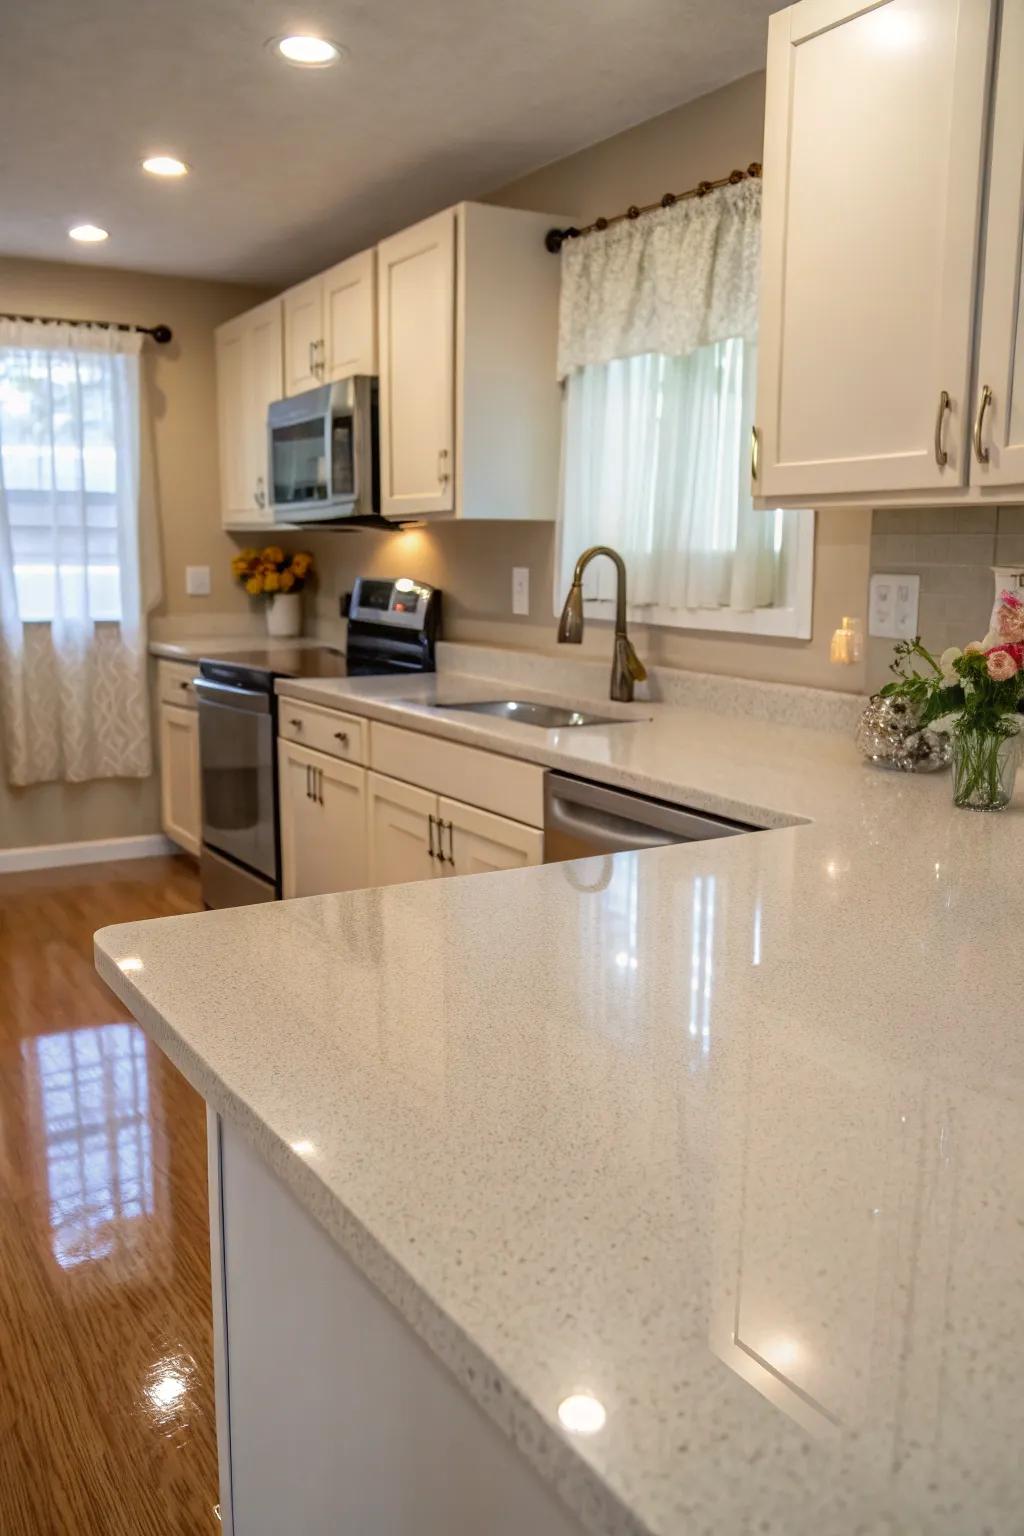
(585, 678)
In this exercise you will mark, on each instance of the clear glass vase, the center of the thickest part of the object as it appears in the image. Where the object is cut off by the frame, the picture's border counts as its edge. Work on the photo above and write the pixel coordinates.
(984, 767)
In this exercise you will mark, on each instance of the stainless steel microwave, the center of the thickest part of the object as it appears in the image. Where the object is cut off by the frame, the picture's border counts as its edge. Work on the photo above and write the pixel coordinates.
(323, 455)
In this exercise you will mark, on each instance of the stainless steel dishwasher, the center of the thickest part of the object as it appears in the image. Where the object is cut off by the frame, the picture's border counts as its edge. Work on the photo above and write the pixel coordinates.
(582, 819)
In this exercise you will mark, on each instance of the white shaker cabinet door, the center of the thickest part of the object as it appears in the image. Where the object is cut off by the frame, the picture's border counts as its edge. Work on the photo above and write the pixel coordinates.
(477, 842)
(323, 823)
(350, 317)
(233, 427)
(416, 307)
(997, 449)
(874, 137)
(303, 337)
(264, 385)
(180, 804)
(402, 822)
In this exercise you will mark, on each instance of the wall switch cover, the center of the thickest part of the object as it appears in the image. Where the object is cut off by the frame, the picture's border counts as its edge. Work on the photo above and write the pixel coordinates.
(892, 607)
(521, 589)
(197, 580)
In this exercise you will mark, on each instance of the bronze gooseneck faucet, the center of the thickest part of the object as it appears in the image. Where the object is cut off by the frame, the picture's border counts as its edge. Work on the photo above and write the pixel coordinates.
(627, 668)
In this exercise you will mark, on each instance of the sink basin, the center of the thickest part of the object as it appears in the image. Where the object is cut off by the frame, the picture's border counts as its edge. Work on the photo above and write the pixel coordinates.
(547, 716)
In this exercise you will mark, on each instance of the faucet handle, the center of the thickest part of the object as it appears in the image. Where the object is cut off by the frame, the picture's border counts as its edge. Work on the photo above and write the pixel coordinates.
(634, 665)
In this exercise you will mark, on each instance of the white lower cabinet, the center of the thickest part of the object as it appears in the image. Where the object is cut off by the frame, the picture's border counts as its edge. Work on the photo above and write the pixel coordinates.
(344, 826)
(477, 842)
(402, 821)
(180, 805)
(323, 822)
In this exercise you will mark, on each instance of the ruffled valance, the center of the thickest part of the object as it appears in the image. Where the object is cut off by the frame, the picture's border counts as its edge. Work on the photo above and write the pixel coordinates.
(669, 282)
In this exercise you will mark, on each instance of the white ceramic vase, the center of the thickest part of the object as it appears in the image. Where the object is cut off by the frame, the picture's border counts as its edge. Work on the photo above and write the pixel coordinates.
(284, 615)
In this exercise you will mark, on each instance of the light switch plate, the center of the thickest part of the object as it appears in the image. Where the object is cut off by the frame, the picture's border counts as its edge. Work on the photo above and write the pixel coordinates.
(197, 580)
(521, 589)
(892, 607)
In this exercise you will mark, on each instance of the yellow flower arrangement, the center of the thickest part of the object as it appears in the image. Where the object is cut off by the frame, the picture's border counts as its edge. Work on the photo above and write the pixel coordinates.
(262, 572)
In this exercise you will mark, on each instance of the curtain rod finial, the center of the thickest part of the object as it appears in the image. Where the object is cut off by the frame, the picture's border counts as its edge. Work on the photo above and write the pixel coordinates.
(553, 241)
(161, 334)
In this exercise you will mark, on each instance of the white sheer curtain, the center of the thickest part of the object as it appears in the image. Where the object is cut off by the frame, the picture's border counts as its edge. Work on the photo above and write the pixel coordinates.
(657, 345)
(77, 555)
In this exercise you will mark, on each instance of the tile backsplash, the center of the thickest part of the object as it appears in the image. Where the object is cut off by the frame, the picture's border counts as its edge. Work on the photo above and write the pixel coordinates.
(953, 550)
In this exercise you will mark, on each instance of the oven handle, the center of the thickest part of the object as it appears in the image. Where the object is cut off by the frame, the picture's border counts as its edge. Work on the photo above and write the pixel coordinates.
(228, 697)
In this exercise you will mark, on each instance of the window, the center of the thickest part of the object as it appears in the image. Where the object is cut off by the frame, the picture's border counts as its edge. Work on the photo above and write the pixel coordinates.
(656, 464)
(58, 433)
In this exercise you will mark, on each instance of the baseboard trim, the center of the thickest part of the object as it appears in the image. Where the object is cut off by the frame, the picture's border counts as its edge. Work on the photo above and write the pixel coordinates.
(100, 851)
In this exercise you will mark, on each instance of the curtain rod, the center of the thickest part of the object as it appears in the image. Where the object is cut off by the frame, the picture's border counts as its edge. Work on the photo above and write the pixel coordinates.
(161, 334)
(555, 238)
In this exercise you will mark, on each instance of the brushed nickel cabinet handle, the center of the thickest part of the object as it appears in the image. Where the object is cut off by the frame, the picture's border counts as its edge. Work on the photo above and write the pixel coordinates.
(451, 842)
(309, 791)
(985, 400)
(430, 823)
(442, 466)
(320, 785)
(941, 456)
(755, 454)
(312, 360)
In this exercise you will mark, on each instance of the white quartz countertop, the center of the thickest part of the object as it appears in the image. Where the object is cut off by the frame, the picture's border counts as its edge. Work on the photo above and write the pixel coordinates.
(194, 647)
(728, 1136)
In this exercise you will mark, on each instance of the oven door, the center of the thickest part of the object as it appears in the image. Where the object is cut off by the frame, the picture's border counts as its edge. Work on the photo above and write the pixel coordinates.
(236, 761)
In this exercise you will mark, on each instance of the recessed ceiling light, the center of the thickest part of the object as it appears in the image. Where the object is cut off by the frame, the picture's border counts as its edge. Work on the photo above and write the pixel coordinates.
(164, 165)
(313, 52)
(90, 234)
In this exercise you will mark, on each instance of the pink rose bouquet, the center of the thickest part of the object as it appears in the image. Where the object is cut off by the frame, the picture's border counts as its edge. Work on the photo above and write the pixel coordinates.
(975, 694)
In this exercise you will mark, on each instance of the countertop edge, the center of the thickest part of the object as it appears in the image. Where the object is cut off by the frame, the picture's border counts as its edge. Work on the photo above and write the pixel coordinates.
(553, 1457)
(439, 723)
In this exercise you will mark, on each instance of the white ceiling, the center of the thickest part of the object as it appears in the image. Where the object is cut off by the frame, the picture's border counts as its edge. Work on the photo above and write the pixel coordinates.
(292, 169)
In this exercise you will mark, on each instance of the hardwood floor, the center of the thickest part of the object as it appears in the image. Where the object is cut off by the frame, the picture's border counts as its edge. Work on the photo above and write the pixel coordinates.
(106, 1375)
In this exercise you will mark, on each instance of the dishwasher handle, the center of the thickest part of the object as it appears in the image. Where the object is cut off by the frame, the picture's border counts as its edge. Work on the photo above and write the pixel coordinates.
(617, 822)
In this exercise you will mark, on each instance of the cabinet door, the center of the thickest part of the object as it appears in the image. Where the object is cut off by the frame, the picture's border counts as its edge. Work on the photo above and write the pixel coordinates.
(264, 381)
(1001, 348)
(303, 337)
(350, 316)
(323, 823)
(476, 842)
(874, 134)
(401, 831)
(232, 423)
(179, 776)
(416, 305)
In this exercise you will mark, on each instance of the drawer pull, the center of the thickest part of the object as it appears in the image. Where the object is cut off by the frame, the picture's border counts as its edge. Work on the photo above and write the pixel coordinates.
(187, 686)
(295, 723)
(341, 736)
(430, 824)
(448, 858)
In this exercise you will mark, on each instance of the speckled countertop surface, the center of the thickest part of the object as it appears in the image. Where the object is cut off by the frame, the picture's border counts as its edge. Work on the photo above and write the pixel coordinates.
(728, 1136)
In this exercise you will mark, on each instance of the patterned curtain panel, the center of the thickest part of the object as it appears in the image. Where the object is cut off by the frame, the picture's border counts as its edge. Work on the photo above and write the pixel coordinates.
(680, 278)
(75, 550)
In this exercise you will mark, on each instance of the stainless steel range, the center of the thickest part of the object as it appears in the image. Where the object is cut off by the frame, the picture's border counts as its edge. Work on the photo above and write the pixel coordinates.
(392, 627)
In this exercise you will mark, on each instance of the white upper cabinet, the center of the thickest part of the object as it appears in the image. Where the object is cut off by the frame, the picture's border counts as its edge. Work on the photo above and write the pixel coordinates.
(349, 296)
(249, 377)
(417, 342)
(997, 457)
(873, 177)
(330, 325)
(303, 336)
(470, 409)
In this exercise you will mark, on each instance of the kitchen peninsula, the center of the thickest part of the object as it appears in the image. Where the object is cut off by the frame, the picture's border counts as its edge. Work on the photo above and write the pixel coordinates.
(668, 1192)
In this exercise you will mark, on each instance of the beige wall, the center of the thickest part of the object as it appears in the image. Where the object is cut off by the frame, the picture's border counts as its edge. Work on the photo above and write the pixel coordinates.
(704, 139)
(181, 394)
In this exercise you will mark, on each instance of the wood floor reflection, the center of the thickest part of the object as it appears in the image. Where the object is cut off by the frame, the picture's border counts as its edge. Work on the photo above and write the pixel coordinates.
(106, 1376)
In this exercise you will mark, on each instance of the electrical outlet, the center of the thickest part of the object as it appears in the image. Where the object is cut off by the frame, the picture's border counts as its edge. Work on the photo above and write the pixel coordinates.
(521, 589)
(197, 580)
(892, 612)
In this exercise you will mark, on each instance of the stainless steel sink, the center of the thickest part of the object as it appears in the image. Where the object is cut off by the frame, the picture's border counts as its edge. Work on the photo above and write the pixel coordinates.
(547, 716)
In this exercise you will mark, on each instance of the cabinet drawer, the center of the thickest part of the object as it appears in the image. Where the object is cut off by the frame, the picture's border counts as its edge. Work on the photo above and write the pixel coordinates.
(327, 730)
(174, 682)
(500, 784)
